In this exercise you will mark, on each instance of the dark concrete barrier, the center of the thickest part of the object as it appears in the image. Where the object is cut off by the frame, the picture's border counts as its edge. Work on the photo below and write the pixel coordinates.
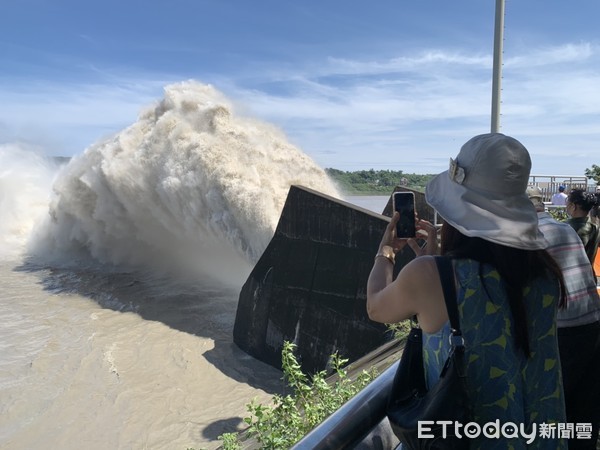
(309, 286)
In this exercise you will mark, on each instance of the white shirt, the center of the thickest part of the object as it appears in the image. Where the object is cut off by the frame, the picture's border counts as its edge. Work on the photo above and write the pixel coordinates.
(560, 198)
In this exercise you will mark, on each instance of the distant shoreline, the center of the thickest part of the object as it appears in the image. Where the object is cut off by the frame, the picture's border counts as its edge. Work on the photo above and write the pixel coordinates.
(376, 182)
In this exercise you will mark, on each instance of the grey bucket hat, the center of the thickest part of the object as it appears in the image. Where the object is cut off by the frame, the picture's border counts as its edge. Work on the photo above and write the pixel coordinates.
(483, 193)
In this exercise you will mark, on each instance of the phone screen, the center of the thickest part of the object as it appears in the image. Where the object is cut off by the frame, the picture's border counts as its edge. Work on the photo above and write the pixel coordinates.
(404, 203)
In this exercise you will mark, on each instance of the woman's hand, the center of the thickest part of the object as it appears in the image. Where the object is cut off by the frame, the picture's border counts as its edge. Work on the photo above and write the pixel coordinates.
(391, 300)
(425, 230)
(389, 238)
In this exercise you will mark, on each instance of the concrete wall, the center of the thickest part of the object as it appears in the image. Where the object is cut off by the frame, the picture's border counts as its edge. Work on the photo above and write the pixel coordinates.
(309, 286)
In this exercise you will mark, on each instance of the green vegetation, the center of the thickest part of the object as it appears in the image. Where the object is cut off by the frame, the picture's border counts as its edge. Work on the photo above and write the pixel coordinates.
(376, 182)
(559, 214)
(593, 173)
(292, 416)
(230, 441)
(400, 329)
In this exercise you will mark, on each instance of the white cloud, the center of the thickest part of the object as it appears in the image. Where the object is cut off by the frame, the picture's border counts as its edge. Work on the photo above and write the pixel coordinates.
(409, 111)
(415, 63)
(547, 56)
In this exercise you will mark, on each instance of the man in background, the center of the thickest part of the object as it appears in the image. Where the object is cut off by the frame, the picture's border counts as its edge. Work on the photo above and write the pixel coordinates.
(578, 324)
(560, 198)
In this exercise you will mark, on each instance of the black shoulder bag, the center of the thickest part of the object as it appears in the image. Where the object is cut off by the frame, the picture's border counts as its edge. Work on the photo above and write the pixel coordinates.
(411, 403)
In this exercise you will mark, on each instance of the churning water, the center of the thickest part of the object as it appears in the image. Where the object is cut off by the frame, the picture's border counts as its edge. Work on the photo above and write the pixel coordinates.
(119, 276)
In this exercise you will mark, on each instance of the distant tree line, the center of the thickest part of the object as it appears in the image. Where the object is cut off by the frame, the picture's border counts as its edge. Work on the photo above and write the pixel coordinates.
(374, 182)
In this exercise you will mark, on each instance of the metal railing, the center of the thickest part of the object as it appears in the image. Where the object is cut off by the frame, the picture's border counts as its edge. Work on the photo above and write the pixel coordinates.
(549, 184)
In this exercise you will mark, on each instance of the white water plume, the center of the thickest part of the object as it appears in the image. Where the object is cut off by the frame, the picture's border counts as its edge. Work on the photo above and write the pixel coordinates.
(25, 180)
(191, 184)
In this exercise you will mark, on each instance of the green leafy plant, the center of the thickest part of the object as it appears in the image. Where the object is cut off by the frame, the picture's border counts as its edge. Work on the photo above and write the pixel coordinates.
(593, 173)
(559, 214)
(313, 399)
(400, 329)
(230, 441)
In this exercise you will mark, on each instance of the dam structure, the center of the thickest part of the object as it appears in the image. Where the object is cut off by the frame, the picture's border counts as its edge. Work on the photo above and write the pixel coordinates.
(309, 285)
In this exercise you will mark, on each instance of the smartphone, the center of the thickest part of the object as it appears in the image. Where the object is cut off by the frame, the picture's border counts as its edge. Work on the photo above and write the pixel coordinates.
(404, 203)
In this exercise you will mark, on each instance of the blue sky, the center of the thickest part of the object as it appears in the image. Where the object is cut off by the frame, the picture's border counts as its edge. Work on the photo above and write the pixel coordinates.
(355, 85)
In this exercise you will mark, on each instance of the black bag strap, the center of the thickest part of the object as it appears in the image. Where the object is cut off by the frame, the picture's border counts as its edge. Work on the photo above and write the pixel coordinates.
(444, 265)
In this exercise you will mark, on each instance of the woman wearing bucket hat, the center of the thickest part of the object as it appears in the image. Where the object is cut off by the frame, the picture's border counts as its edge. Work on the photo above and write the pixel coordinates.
(508, 288)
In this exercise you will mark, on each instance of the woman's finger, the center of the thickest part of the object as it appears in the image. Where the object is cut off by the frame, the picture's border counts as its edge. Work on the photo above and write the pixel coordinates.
(415, 247)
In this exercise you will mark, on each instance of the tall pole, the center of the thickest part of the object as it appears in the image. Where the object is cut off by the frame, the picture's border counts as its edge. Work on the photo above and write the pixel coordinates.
(497, 69)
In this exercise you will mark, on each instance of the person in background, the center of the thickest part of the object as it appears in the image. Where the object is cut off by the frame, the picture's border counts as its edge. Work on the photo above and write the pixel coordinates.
(595, 211)
(560, 198)
(579, 204)
(578, 324)
(595, 216)
(508, 289)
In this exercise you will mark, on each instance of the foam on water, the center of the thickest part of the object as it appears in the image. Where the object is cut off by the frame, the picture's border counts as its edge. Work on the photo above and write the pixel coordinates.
(190, 184)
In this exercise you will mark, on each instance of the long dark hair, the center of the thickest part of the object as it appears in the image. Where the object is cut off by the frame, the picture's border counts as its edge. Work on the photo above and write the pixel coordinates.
(517, 268)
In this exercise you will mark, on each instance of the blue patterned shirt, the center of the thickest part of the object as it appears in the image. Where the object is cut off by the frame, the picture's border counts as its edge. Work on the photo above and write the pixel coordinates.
(503, 384)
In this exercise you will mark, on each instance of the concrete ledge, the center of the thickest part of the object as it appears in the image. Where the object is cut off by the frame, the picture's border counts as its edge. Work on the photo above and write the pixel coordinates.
(309, 286)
